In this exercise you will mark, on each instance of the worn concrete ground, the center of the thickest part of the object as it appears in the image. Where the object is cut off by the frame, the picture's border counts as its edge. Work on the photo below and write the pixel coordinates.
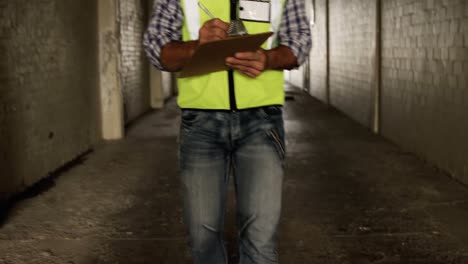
(349, 197)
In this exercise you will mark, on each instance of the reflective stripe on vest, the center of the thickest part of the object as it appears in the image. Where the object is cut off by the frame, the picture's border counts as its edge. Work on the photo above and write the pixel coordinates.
(192, 18)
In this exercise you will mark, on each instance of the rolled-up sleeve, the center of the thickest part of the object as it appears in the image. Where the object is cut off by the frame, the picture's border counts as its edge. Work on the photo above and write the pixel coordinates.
(165, 26)
(294, 31)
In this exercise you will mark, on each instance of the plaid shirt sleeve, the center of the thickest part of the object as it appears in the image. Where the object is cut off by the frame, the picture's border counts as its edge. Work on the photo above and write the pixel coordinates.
(294, 31)
(165, 26)
(167, 20)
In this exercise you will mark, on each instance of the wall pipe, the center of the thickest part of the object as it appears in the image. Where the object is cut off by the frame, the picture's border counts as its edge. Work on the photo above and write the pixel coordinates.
(376, 127)
(327, 78)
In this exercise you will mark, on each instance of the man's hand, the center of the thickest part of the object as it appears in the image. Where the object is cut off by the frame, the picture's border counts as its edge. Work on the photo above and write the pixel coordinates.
(176, 54)
(251, 64)
(214, 29)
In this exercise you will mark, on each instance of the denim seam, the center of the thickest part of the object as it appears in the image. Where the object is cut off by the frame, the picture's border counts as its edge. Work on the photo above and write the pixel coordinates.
(279, 146)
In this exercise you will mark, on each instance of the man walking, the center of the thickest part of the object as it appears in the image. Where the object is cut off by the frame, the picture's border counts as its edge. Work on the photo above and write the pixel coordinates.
(231, 121)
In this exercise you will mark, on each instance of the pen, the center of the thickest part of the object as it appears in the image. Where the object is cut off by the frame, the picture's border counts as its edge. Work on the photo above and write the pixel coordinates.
(236, 27)
(205, 10)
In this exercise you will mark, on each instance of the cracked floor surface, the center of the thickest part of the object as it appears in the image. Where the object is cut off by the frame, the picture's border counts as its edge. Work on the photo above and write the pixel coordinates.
(349, 197)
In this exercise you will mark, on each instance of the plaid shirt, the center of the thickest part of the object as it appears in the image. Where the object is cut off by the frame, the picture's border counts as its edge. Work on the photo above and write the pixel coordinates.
(167, 21)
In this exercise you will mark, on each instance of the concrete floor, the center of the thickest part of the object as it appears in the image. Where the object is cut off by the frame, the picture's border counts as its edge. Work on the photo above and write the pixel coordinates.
(349, 197)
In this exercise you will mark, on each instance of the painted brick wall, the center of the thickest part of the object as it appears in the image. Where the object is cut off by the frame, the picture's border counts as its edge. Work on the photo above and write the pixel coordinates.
(318, 55)
(425, 72)
(352, 42)
(48, 87)
(134, 66)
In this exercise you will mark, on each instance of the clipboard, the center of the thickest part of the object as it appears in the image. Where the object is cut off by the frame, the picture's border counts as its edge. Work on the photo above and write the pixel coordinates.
(210, 57)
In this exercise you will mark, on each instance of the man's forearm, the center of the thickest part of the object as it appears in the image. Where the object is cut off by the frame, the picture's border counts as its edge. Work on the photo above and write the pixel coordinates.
(176, 54)
(280, 58)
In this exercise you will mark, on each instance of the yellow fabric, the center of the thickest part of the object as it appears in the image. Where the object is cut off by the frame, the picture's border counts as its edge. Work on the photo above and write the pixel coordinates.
(211, 91)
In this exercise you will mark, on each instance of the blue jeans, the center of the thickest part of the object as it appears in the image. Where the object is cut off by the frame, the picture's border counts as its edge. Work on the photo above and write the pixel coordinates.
(250, 145)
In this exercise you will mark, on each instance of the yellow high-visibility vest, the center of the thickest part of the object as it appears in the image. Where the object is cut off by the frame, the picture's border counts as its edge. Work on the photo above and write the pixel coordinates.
(211, 91)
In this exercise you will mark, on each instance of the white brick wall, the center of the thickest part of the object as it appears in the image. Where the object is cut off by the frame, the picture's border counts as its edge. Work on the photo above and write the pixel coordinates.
(424, 73)
(352, 45)
(48, 87)
(134, 66)
(425, 69)
(318, 55)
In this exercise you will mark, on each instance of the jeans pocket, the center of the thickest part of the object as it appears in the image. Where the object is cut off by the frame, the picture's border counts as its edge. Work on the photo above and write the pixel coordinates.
(270, 112)
(189, 120)
(190, 116)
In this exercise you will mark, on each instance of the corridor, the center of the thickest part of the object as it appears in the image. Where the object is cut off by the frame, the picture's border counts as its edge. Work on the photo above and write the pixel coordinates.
(349, 197)
(376, 120)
